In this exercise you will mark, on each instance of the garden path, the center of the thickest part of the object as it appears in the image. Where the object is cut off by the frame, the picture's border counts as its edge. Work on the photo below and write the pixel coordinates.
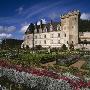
(49, 64)
(78, 64)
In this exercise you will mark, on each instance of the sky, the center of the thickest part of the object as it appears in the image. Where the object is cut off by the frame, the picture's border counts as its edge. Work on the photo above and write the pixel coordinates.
(16, 15)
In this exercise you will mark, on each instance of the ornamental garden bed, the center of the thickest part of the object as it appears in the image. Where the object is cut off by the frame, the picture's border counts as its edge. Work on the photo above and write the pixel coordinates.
(87, 64)
(67, 60)
(40, 78)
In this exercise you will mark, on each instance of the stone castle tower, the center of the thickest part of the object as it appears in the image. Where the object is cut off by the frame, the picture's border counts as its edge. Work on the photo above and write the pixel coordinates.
(69, 24)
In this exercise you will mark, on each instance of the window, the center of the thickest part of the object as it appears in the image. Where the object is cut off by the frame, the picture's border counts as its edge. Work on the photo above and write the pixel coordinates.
(51, 35)
(27, 37)
(35, 37)
(51, 41)
(72, 26)
(67, 42)
(44, 41)
(40, 42)
(75, 18)
(58, 34)
(35, 42)
(58, 41)
(44, 36)
(40, 36)
(65, 35)
(64, 27)
(72, 41)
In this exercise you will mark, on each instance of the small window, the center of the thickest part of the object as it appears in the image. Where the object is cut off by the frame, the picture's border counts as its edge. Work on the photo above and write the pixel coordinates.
(44, 36)
(58, 34)
(40, 42)
(40, 36)
(35, 42)
(27, 37)
(51, 41)
(51, 35)
(35, 37)
(44, 41)
(65, 35)
(64, 27)
(58, 41)
(67, 42)
(75, 18)
(72, 26)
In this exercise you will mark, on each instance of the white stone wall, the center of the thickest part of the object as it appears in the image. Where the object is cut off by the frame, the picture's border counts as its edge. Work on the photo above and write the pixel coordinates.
(84, 36)
(47, 39)
(68, 33)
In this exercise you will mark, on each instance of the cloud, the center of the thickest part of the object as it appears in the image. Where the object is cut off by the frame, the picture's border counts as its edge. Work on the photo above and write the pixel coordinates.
(85, 16)
(54, 15)
(5, 29)
(24, 27)
(19, 10)
(4, 36)
(43, 22)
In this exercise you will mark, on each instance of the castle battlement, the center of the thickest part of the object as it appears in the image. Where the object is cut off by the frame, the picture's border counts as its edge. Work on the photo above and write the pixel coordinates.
(72, 13)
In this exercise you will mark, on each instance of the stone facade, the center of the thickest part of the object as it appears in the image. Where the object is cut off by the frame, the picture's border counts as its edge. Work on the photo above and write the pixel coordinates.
(55, 34)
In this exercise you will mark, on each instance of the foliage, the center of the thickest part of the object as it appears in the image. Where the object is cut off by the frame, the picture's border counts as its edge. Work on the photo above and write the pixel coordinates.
(71, 47)
(84, 25)
(38, 47)
(63, 47)
(11, 43)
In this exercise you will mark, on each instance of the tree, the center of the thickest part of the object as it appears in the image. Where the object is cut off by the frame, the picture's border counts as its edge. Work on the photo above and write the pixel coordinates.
(64, 47)
(31, 29)
(71, 47)
(38, 47)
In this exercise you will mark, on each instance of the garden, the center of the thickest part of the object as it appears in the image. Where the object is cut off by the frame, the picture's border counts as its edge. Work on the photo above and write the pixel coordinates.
(25, 67)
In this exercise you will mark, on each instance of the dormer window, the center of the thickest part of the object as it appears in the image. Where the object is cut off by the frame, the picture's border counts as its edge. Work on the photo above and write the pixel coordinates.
(27, 37)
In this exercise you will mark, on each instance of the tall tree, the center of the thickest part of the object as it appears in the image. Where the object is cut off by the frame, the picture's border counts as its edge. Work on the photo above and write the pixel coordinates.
(32, 28)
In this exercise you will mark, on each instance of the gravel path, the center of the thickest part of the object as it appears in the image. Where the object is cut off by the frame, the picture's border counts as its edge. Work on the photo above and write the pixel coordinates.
(78, 64)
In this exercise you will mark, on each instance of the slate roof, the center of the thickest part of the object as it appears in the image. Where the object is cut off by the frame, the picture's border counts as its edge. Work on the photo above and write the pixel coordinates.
(54, 24)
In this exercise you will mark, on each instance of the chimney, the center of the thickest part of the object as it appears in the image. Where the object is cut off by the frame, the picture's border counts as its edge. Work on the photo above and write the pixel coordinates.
(51, 22)
(41, 24)
(36, 27)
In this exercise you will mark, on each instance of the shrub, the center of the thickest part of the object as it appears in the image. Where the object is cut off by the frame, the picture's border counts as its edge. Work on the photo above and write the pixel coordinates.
(63, 47)
(71, 47)
(38, 47)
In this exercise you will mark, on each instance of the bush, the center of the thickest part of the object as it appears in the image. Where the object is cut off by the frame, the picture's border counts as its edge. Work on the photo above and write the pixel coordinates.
(63, 47)
(38, 47)
(71, 47)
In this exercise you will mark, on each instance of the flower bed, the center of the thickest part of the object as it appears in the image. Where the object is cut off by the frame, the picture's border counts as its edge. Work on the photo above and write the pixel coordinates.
(67, 60)
(40, 78)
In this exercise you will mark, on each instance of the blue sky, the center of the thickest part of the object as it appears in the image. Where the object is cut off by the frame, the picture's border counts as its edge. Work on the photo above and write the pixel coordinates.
(16, 15)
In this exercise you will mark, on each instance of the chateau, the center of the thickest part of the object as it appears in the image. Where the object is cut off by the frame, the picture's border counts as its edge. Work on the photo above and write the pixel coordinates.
(55, 34)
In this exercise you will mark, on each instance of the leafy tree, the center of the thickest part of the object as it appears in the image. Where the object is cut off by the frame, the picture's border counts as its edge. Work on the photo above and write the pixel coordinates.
(38, 47)
(71, 47)
(32, 28)
(84, 25)
(63, 47)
